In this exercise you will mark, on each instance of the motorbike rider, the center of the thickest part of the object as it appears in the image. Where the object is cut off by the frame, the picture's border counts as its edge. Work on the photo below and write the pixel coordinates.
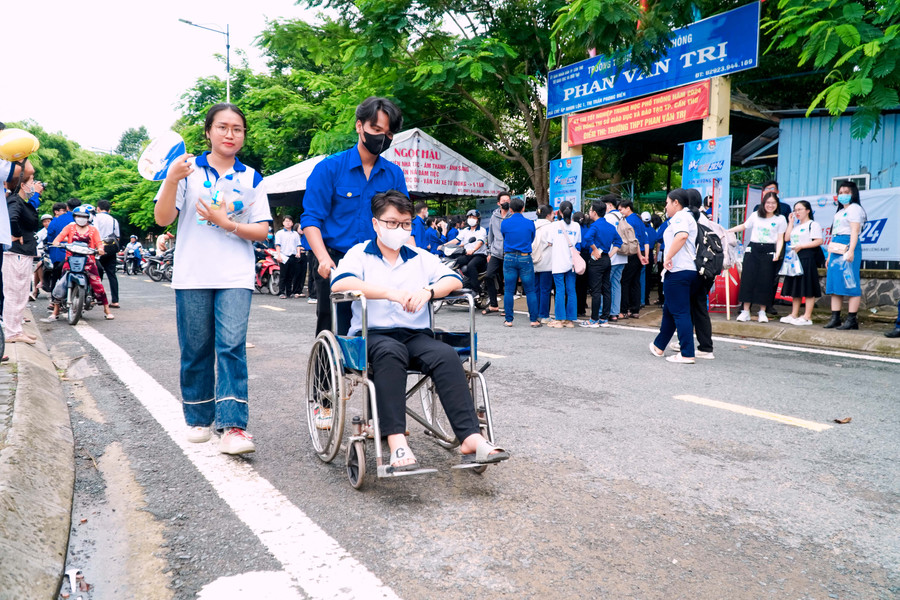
(133, 252)
(473, 238)
(81, 231)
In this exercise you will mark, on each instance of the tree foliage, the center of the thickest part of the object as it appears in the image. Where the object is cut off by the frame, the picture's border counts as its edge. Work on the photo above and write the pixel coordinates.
(132, 142)
(858, 43)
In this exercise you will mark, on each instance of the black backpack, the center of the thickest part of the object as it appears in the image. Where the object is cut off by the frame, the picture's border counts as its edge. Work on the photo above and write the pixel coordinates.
(710, 253)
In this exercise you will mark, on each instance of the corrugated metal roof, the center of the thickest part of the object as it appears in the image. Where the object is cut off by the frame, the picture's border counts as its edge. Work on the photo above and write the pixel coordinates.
(812, 151)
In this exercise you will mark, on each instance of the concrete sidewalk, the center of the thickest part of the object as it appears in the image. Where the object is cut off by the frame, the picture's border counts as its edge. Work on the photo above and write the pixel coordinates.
(37, 473)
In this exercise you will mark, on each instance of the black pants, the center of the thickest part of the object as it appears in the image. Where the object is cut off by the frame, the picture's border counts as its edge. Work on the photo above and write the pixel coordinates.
(107, 264)
(323, 293)
(287, 283)
(471, 267)
(312, 265)
(491, 275)
(52, 276)
(598, 272)
(631, 286)
(700, 315)
(300, 280)
(582, 286)
(391, 352)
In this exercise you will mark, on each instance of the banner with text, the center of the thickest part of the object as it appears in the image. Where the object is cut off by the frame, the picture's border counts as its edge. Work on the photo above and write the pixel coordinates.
(707, 168)
(720, 45)
(681, 105)
(565, 182)
(880, 235)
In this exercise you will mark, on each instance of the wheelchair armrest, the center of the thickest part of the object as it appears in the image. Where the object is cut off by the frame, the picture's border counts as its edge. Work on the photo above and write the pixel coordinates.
(348, 296)
(460, 293)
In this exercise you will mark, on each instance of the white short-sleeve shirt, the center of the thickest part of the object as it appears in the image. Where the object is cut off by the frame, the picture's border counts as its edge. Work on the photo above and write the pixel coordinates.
(804, 233)
(415, 268)
(562, 237)
(682, 221)
(766, 231)
(479, 234)
(207, 257)
(852, 213)
(287, 241)
(613, 217)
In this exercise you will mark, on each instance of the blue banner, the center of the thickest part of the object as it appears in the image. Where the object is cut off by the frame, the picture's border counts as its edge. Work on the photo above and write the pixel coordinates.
(565, 182)
(707, 168)
(720, 45)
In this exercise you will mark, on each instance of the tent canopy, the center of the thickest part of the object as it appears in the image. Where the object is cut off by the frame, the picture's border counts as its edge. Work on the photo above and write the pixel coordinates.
(430, 168)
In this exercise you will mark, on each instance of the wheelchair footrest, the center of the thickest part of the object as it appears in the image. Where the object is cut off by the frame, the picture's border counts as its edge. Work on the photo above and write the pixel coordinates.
(471, 465)
(387, 471)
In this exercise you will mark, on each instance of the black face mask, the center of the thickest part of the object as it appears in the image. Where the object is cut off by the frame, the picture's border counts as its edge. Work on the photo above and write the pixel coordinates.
(504, 205)
(375, 143)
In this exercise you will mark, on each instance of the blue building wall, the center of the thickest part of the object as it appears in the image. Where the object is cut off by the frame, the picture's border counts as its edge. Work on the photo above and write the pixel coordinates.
(812, 151)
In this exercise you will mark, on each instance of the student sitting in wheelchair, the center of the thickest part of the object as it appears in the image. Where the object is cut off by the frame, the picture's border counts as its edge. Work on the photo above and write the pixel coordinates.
(398, 282)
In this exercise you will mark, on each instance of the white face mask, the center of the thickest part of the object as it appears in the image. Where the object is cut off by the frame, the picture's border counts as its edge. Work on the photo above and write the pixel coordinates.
(81, 220)
(472, 222)
(393, 238)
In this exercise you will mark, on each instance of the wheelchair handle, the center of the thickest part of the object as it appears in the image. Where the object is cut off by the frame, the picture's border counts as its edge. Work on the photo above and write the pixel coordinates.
(348, 296)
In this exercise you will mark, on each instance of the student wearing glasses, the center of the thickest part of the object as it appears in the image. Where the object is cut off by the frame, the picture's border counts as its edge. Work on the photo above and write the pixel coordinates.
(338, 201)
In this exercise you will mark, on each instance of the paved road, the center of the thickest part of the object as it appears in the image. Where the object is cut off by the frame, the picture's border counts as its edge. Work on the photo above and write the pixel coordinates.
(625, 481)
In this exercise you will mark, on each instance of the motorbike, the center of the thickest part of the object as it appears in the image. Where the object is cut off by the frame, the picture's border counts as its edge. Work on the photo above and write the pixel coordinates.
(451, 254)
(159, 267)
(268, 273)
(79, 295)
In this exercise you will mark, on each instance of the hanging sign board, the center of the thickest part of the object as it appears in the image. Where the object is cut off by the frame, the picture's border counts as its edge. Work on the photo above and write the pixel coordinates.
(707, 168)
(565, 182)
(720, 45)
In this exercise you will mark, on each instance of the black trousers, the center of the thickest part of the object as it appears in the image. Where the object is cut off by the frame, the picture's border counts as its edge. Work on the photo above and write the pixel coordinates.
(300, 280)
(391, 352)
(700, 315)
(631, 285)
(582, 286)
(493, 273)
(312, 265)
(471, 267)
(107, 264)
(598, 272)
(323, 293)
(287, 283)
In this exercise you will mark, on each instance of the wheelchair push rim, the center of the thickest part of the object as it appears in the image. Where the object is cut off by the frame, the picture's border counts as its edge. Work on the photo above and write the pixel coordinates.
(325, 391)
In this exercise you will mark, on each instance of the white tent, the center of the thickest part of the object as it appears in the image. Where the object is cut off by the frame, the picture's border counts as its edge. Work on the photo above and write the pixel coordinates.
(431, 168)
(293, 178)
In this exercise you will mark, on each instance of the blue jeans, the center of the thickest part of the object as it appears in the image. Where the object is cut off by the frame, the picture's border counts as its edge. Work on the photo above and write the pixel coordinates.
(212, 333)
(544, 285)
(616, 281)
(566, 303)
(678, 288)
(515, 266)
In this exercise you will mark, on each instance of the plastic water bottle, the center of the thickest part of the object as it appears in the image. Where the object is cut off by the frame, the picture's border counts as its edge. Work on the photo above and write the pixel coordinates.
(849, 276)
(208, 195)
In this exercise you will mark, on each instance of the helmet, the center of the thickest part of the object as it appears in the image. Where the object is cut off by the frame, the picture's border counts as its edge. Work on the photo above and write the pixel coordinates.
(83, 210)
(89, 207)
(17, 144)
(474, 213)
(45, 216)
(645, 217)
(134, 237)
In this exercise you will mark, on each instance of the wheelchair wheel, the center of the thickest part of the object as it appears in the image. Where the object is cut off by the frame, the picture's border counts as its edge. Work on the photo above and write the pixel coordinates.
(324, 396)
(356, 463)
(434, 414)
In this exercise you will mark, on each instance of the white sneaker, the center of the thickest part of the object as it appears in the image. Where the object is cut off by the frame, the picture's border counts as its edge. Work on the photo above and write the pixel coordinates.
(789, 320)
(702, 354)
(323, 418)
(801, 321)
(198, 435)
(678, 358)
(49, 319)
(312, 301)
(675, 346)
(762, 317)
(744, 316)
(236, 441)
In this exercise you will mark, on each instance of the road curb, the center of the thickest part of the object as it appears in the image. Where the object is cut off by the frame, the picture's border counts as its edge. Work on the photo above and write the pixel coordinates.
(37, 478)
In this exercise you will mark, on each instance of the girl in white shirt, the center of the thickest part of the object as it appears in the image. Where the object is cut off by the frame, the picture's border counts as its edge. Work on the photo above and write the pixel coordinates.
(214, 275)
(805, 237)
(845, 257)
(761, 257)
(564, 235)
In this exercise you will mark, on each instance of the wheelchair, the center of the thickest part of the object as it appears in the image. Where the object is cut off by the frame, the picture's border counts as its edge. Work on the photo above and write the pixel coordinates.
(338, 365)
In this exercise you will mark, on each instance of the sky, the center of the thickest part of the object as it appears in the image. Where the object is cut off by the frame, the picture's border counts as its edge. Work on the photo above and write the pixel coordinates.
(92, 69)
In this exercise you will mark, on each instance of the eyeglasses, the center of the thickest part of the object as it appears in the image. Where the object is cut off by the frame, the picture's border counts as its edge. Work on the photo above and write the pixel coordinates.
(236, 130)
(406, 225)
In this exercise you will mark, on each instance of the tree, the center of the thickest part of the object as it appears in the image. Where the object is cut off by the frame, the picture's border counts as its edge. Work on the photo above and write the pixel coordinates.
(858, 43)
(132, 142)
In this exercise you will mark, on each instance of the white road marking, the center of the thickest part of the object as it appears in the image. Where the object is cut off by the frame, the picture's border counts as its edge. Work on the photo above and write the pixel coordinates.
(744, 342)
(275, 308)
(753, 412)
(489, 355)
(312, 558)
(168, 285)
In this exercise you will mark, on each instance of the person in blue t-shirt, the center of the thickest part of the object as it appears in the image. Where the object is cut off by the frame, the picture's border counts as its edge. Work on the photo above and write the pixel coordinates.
(338, 200)
(645, 273)
(419, 227)
(433, 237)
(518, 235)
(631, 275)
(602, 242)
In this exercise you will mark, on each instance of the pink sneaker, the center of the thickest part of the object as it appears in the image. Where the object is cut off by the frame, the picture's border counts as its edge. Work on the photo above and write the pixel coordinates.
(236, 441)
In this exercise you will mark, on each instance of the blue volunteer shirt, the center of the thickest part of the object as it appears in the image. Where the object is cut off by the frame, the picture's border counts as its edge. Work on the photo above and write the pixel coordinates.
(603, 235)
(452, 234)
(419, 232)
(518, 233)
(659, 235)
(58, 255)
(640, 232)
(338, 197)
(432, 240)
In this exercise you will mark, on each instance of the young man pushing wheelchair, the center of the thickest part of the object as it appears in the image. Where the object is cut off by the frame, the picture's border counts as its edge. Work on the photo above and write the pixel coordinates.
(398, 282)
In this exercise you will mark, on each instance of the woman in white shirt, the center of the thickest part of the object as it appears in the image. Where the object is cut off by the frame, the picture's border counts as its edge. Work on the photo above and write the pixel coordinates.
(845, 256)
(564, 235)
(805, 238)
(542, 256)
(680, 279)
(221, 209)
(761, 257)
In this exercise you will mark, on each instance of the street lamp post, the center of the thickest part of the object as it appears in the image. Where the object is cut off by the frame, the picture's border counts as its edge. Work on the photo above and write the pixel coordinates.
(227, 34)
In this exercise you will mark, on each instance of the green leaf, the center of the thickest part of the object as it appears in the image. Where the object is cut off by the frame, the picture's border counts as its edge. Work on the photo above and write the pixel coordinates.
(848, 34)
(837, 98)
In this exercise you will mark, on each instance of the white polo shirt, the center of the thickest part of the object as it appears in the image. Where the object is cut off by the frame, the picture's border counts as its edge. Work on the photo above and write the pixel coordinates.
(287, 240)
(106, 224)
(415, 268)
(207, 257)
(682, 221)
